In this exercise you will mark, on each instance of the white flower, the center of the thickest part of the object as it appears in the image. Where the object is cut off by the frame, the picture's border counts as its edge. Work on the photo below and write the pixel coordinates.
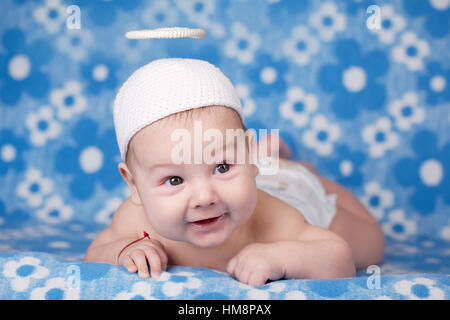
(327, 20)
(406, 111)
(298, 106)
(248, 104)
(55, 289)
(197, 9)
(52, 15)
(68, 100)
(301, 45)
(398, 227)
(21, 272)
(411, 51)
(105, 215)
(160, 14)
(419, 289)
(199, 12)
(445, 233)
(34, 187)
(5, 247)
(174, 283)
(126, 192)
(388, 269)
(400, 249)
(42, 125)
(391, 24)
(261, 292)
(377, 199)
(380, 137)
(75, 43)
(243, 43)
(59, 245)
(383, 298)
(139, 291)
(322, 135)
(132, 49)
(55, 211)
(295, 295)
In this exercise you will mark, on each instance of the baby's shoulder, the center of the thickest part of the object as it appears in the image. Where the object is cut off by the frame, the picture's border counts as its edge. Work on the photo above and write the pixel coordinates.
(275, 220)
(128, 219)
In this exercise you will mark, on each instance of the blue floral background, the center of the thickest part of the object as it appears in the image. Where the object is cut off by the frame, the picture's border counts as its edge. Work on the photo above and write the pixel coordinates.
(366, 100)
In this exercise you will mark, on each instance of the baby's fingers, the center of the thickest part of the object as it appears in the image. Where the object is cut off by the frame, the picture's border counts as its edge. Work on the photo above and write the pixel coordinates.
(128, 263)
(231, 265)
(256, 278)
(139, 259)
(154, 261)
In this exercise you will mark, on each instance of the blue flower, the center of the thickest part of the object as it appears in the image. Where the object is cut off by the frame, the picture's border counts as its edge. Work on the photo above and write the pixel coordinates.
(184, 48)
(211, 295)
(100, 73)
(281, 10)
(12, 149)
(436, 83)
(268, 75)
(12, 219)
(436, 18)
(354, 79)
(428, 171)
(353, 6)
(346, 166)
(21, 67)
(103, 13)
(91, 160)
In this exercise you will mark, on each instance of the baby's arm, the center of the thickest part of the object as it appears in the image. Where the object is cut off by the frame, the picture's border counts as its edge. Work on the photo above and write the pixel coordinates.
(289, 247)
(315, 254)
(124, 229)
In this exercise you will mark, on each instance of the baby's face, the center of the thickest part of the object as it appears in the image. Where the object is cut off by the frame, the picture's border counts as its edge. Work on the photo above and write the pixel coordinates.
(178, 198)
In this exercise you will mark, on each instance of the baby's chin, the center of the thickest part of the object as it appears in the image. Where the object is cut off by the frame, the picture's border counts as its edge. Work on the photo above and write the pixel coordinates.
(210, 238)
(198, 241)
(208, 241)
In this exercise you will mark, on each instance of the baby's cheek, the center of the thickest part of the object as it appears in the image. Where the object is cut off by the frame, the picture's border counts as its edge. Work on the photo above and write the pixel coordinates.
(242, 196)
(164, 217)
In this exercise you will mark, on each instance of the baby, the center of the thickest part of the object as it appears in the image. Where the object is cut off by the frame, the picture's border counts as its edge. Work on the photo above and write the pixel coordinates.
(222, 214)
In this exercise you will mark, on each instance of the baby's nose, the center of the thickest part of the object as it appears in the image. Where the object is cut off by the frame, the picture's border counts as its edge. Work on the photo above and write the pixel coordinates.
(204, 196)
(204, 200)
(201, 205)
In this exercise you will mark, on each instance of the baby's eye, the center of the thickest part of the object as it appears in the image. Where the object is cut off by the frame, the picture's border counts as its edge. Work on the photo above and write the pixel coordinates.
(223, 167)
(174, 181)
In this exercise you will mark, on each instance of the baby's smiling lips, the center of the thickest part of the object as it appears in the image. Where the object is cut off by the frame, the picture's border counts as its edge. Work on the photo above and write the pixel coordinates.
(207, 222)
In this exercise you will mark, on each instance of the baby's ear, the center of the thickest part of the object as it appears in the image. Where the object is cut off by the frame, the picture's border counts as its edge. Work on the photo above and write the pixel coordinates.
(255, 169)
(252, 147)
(128, 177)
(253, 151)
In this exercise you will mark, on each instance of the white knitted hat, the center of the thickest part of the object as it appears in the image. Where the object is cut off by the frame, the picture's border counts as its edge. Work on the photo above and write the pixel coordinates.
(167, 86)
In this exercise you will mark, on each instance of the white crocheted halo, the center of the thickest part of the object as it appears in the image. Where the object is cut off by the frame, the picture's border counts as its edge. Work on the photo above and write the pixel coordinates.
(166, 33)
(167, 86)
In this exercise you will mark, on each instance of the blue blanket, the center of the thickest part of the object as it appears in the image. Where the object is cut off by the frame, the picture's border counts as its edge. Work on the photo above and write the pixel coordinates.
(415, 269)
(360, 89)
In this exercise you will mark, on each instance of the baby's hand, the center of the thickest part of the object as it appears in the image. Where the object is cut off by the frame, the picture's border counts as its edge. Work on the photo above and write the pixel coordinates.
(255, 264)
(135, 257)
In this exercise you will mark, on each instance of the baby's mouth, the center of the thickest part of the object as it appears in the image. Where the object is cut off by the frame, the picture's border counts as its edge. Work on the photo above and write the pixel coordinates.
(207, 222)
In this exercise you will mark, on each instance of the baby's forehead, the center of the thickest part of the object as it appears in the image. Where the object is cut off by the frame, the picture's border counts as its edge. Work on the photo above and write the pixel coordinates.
(150, 147)
(156, 139)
